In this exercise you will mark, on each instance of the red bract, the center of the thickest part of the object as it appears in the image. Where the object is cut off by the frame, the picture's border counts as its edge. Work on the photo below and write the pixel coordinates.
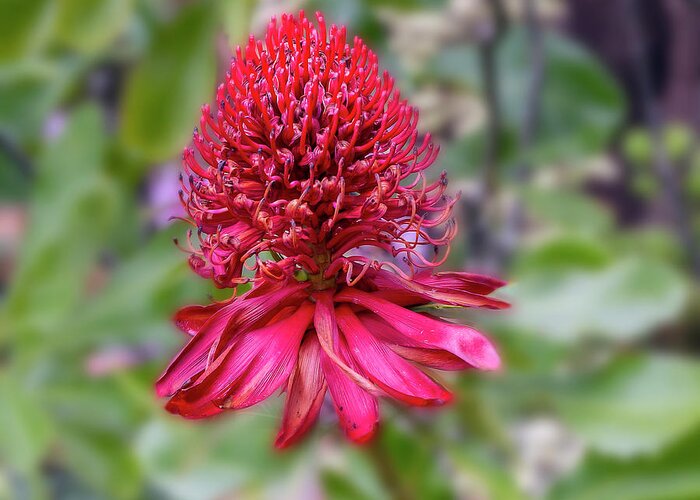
(309, 174)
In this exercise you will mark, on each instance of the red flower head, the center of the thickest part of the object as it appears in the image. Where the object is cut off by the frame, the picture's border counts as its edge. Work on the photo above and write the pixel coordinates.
(307, 180)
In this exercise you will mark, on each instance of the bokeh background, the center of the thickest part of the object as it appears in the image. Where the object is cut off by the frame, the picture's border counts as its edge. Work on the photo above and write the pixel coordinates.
(569, 126)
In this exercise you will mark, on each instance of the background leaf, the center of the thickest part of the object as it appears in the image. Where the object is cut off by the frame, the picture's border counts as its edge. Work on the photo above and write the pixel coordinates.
(636, 405)
(169, 85)
(24, 25)
(671, 475)
(622, 301)
(89, 26)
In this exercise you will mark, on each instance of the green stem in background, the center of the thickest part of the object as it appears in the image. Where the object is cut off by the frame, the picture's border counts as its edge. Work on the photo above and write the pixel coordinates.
(480, 239)
(515, 223)
(390, 477)
(489, 73)
(533, 97)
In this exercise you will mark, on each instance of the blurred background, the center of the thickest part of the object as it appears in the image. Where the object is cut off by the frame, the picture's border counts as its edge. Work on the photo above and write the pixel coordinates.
(569, 126)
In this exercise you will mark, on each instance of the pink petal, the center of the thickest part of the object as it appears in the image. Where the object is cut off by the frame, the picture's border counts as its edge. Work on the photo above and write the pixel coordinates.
(192, 359)
(433, 358)
(357, 410)
(410, 349)
(191, 319)
(328, 337)
(396, 376)
(432, 289)
(463, 341)
(470, 282)
(249, 370)
(240, 315)
(305, 393)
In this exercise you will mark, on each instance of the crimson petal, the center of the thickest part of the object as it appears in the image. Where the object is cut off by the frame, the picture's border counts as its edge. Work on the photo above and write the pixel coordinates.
(433, 358)
(410, 349)
(191, 319)
(249, 370)
(305, 393)
(396, 376)
(357, 410)
(469, 282)
(463, 341)
(433, 290)
(328, 337)
(192, 359)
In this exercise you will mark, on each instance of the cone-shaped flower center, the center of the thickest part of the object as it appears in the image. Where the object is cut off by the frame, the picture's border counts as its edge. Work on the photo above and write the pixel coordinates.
(310, 155)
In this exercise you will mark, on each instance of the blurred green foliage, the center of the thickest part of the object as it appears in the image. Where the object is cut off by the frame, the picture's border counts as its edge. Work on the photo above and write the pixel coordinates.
(95, 96)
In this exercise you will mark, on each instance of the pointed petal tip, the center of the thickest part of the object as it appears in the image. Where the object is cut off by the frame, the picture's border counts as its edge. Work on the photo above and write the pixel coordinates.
(162, 391)
(283, 442)
(286, 440)
(490, 360)
(447, 398)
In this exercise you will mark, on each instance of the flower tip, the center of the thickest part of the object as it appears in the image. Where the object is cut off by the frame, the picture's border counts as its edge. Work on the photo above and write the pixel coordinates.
(364, 436)
(282, 442)
(490, 360)
(447, 398)
(163, 388)
(286, 440)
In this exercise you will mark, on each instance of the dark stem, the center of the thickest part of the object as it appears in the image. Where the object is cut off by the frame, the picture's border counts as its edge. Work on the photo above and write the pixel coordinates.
(529, 124)
(489, 72)
(480, 242)
(533, 97)
(675, 201)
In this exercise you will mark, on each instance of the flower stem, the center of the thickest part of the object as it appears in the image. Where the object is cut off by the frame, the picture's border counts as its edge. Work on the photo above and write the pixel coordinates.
(390, 477)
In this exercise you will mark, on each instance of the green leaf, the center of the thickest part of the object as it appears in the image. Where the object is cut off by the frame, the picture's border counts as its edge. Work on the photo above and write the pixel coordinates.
(678, 139)
(489, 474)
(30, 91)
(89, 26)
(142, 295)
(24, 26)
(692, 182)
(568, 210)
(339, 486)
(414, 462)
(581, 104)
(463, 157)
(409, 4)
(14, 184)
(166, 89)
(637, 404)
(671, 475)
(562, 254)
(347, 13)
(25, 431)
(352, 475)
(651, 242)
(209, 461)
(236, 18)
(623, 301)
(104, 461)
(85, 403)
(73, 207)
(458, 65)
(637, 147)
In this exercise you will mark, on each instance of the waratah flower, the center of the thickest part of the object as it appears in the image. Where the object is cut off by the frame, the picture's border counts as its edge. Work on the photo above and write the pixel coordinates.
(306, 181)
